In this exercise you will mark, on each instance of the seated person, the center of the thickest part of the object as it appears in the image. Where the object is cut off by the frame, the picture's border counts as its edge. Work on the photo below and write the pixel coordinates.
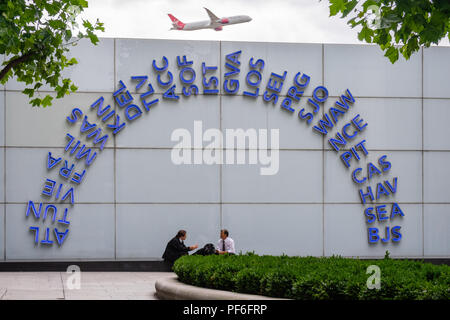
(225, 244)
(175, 248)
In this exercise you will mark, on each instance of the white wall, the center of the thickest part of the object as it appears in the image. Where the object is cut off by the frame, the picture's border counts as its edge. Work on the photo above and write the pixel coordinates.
(133, 199)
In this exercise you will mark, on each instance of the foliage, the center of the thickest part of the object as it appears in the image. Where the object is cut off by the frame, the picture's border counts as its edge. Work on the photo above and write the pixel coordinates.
(34, 38)
(311, 278)
(397, 26)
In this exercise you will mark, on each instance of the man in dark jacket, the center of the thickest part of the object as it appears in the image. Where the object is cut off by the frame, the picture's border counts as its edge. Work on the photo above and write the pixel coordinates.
(176, 248)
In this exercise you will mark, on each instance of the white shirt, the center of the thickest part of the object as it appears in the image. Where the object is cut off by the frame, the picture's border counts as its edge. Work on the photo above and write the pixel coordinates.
(229, 245)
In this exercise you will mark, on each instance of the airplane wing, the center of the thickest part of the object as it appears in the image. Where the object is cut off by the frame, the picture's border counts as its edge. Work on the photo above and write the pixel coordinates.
(212, 16)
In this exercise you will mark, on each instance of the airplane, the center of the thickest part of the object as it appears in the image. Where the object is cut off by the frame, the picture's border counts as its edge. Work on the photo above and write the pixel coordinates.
(214, 22)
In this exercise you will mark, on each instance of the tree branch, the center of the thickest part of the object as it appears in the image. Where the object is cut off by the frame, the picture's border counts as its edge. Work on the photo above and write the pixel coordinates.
(16, 61)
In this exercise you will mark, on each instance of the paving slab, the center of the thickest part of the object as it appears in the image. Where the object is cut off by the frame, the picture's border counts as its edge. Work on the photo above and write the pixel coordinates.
(93, 285)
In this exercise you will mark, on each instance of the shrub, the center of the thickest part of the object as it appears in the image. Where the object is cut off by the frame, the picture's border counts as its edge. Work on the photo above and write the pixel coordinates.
(312, 278)
(249, 280)
(278, 283)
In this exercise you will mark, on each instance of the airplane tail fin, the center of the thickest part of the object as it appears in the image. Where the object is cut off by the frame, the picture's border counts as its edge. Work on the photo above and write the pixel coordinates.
(176, 23)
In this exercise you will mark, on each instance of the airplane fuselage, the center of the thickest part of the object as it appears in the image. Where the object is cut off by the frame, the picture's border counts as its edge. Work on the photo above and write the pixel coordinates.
(208, 24)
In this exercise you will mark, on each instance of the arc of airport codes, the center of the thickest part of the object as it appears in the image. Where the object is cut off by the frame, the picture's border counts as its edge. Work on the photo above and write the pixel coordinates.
(76, 151)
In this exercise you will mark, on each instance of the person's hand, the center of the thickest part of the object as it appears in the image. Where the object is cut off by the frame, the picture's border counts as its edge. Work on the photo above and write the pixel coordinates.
(195, 246)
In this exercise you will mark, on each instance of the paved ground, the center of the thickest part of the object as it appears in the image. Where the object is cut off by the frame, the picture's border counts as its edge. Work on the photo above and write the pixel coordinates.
(93, 285)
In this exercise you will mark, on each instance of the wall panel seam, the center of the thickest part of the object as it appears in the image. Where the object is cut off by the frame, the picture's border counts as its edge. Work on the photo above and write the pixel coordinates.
(423, 158)
(323, 160)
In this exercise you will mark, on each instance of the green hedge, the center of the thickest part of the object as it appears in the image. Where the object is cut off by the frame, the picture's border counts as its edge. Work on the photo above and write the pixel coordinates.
(314, 278)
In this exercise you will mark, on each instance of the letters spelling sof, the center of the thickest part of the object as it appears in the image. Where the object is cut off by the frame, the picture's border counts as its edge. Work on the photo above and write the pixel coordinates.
(134, 109)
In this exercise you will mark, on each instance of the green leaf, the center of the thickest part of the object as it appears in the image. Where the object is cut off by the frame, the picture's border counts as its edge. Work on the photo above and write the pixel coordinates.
(47, 101)
(36, 102)
(349, 7)
(57, 24)
(336, 6)
(93, 38)
(29, 92)
(72, 61)
(68, 35)
(392, 54)
(365, 34)
(369, 3)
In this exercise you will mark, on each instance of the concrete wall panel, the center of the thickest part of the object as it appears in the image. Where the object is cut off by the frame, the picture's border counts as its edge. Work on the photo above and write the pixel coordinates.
(143, 230)
(91, 234)
(292, 229)
(346, 65)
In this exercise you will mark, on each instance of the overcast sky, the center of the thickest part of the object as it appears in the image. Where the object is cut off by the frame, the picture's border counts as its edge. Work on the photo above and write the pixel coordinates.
(273, 20)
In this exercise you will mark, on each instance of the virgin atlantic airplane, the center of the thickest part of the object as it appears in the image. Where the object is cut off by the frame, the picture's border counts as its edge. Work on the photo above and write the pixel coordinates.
(214, 22)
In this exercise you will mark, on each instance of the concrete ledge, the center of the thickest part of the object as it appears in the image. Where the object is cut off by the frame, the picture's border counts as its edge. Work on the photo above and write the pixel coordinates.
(169, 288)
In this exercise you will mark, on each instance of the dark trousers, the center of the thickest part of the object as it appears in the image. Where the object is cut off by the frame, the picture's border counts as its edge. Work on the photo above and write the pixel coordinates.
(168, 265)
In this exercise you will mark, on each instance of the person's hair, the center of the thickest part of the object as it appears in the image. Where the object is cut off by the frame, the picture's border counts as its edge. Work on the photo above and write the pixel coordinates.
(225, 231)
(181, 233)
